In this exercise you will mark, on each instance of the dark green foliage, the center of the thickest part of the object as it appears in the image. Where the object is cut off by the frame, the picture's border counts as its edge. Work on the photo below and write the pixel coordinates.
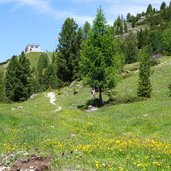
(163, 6)
(169, 89)
(149, 9)
(130, 49)
(18, 77)
(34, 81)
(119, 26)
(11, 78)
(133, 21)
(155, 41)
(154, 21)
(2, 86)
(68, 48)
(144, 86)
(125, 27)
(86, 29)
(142, 36)
(76, 60)
(98, 58)
(128, 17)
(51, 79)
(167, 39)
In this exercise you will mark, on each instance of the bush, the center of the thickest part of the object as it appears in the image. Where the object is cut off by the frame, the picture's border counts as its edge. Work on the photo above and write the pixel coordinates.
(93, 102)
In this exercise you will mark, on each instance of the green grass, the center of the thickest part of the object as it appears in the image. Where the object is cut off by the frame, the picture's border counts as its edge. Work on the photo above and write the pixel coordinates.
(34, 58)
(132, 136)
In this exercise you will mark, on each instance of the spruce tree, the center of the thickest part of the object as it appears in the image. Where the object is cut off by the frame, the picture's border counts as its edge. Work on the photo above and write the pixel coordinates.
(52, 73)
(11, 79)
(68, 49)
(24, 77)
(144, 86)
(18, 76)
(163, 6)
(98, 57)
(149, 9)
(167, 39)
(86, 29)
(125, 27)
(130, 49)
(2, 85)
(51, 77)
(118, 26)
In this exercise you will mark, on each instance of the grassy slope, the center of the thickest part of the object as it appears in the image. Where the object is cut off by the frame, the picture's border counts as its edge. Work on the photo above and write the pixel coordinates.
(133, 136)
(34, 58)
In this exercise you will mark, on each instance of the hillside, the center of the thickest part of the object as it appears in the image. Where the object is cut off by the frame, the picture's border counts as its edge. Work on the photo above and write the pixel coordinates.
(127, 136)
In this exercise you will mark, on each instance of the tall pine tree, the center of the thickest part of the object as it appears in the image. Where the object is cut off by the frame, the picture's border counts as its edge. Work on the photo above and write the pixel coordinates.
(18, 77)
(144, 87)
(2, 85)
(68, 49)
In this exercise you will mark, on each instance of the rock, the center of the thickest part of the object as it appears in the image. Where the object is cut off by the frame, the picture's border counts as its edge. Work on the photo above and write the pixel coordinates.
(72, 136)
(4, 168)
(33, 96)
(145, 115)
(52, 97)
(58, 109)
(91, 108)
(20, 107)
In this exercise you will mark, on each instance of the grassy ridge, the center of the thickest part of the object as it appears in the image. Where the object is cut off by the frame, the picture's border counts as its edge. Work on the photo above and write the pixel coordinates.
(133, 136)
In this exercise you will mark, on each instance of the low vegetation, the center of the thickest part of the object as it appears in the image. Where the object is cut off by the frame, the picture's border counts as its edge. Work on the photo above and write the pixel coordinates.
(117, 137)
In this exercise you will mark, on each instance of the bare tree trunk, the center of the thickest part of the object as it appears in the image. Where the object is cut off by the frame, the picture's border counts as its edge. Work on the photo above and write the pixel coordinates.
(100, 98)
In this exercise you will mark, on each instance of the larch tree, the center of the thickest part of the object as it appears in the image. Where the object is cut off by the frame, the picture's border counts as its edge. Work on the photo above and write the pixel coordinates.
(98, 57)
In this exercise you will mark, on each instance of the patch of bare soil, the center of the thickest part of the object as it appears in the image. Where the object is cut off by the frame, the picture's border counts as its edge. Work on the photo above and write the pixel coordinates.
(32, 164)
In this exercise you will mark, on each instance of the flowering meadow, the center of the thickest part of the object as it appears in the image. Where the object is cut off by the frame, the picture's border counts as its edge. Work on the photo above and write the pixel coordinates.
(123, 137)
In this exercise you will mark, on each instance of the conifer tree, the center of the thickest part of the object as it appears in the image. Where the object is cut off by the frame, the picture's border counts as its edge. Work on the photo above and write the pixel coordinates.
(167, 39)
(24, 77)
(18, 76)
(51, 79)
(86, 29)
(98, 57)
(130, 49)
(144, 87)
(51, 74)
(2, 86)
(149, 9)
(68, 49)
(11, 79)
(118, 26)
(125, 27)
(163, 6)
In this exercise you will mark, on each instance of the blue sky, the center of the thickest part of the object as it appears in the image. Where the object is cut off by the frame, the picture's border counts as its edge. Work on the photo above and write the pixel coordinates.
(39, 21)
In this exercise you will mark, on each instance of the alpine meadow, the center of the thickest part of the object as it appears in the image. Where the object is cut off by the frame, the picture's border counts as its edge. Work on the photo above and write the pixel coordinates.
(100, 101)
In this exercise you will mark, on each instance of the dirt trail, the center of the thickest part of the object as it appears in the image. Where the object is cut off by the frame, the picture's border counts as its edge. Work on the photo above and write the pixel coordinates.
(52, 97)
